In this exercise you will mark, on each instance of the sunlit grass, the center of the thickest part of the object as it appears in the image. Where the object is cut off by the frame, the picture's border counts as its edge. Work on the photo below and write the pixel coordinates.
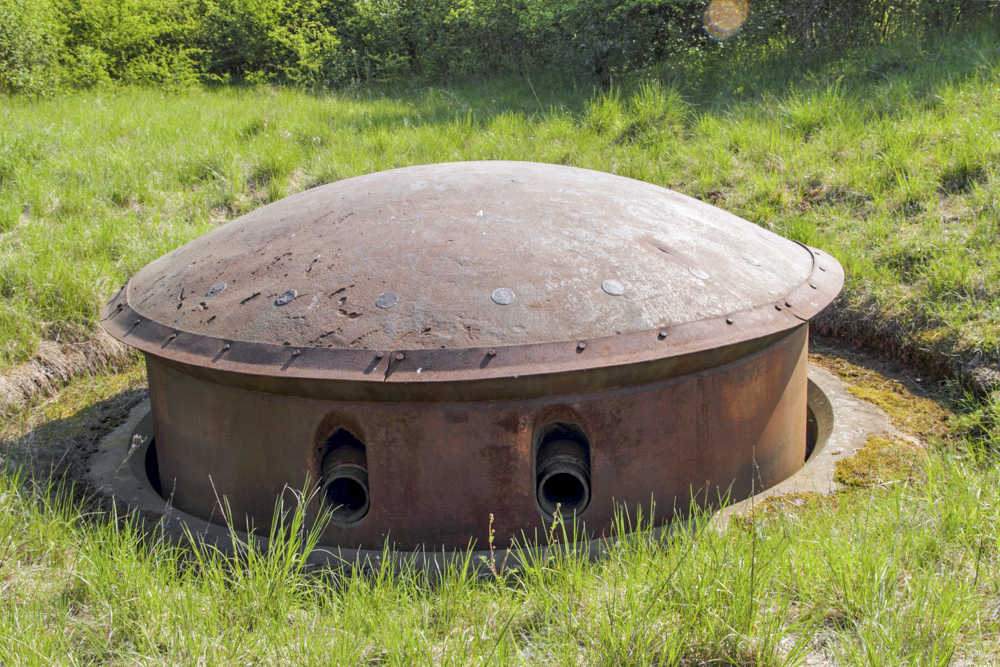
(889, 160)
(905, 573)
(902, 569)
(893, 171)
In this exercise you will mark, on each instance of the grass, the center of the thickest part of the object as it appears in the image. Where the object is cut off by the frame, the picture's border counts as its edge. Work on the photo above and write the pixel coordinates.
(902, 570)
(887, 159)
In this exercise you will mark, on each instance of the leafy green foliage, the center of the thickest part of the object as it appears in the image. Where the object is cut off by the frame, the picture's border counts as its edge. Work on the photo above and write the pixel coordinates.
(322, 43)
(135, 41)
(836, 25)
(267, 40)
(30, 42)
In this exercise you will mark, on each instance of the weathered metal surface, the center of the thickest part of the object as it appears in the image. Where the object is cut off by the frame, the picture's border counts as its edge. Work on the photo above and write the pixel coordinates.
(413, 377)
(446, 239)
(472, 373)
(436, 471)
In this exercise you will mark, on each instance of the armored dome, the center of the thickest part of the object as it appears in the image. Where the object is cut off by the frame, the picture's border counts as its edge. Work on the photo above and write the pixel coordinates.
(465, 256)
(468, 254)
(436, 345)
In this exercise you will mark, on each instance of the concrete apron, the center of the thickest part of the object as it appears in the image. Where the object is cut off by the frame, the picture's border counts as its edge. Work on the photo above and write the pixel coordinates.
(845, 422)
(117, 471)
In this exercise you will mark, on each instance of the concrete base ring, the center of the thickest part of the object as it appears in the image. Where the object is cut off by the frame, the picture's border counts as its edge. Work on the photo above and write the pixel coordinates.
(121, 470)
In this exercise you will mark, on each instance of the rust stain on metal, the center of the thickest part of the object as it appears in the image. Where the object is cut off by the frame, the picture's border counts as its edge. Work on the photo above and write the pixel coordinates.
(453, 346)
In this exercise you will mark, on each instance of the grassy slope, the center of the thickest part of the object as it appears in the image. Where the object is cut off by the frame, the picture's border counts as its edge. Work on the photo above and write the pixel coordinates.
(889, 160)
(905, 573)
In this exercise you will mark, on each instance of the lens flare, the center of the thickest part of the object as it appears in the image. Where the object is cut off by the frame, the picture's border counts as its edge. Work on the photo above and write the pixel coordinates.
(724, 18)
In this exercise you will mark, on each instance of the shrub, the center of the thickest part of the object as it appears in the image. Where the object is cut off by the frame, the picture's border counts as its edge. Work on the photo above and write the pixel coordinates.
(271, 40)
(814, 25)
(135, 41)
(613, 36)
(44, 43)
(30, 44)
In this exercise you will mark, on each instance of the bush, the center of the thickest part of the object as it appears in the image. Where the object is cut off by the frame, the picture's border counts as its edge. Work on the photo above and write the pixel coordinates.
(270, 40)
(814, 25)
(614, 36)
(438, 38)
(86, 67)
(431, 38)
(30, 45)
(134, 41)
(46, 43)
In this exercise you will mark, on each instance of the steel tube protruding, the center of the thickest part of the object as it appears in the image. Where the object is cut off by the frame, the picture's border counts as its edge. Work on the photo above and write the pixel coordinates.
(563, 478)
(344, 485)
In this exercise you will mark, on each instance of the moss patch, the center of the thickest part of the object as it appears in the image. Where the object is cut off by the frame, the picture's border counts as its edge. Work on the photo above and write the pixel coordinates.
(879, 461)
(925, 416)
(919, 416)
(57, 435)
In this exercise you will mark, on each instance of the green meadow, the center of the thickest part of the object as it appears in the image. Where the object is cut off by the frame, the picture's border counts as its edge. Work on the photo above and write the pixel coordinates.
(890, 162)
(889, 159)
(902, 567)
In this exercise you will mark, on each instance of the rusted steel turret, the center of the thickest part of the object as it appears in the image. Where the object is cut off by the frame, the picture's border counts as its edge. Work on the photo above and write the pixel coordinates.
(436, 344)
